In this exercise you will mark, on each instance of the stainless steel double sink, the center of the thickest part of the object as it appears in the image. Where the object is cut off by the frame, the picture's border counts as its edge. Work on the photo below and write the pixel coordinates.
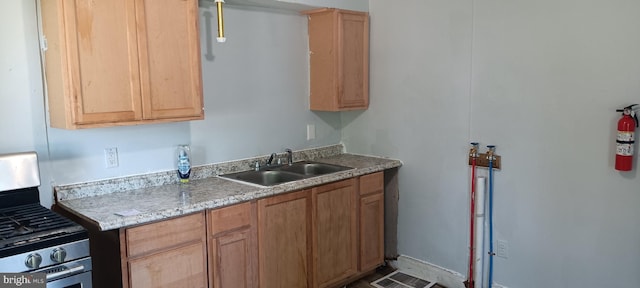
(273, 175)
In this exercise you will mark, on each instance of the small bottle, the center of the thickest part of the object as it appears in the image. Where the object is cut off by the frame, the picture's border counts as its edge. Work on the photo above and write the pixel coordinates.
(184, 165)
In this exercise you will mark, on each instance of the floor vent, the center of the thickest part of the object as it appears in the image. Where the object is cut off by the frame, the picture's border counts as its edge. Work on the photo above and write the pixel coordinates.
(401, 280)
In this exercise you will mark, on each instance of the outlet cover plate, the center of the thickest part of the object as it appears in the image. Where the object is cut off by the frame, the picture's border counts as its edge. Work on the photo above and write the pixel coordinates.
(502, 249)
(311, 131)
(111, 157)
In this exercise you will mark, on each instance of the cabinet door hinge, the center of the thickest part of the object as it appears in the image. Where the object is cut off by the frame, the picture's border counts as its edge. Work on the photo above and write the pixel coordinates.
(44, 45)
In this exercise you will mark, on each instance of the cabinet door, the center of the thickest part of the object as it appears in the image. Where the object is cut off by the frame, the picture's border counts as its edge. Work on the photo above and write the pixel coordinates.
(339, 59)
(232, 260)
(353, 60)
(284, 247)
(371, 231)
(169, 253)
(334, 232)
(181, 267)
(233, 247)
(371, 221)
(170, 59)
(103, 81)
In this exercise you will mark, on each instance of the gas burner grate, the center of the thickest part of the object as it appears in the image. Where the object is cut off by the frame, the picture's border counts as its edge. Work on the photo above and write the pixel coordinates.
(29, 219)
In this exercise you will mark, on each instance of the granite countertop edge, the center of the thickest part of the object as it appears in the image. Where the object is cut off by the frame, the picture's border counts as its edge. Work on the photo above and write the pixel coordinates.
(92, 208)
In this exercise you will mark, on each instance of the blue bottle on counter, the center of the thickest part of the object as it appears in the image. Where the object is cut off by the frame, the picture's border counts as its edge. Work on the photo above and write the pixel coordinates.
(184, 165)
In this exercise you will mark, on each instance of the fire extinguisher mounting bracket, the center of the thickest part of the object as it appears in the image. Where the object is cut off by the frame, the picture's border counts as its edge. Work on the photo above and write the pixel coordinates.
(629, 110)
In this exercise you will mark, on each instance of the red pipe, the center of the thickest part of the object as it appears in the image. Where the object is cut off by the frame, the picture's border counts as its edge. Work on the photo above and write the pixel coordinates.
(472, 221)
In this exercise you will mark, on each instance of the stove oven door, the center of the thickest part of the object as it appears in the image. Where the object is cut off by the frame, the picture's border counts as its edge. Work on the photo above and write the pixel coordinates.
(73, 274)
(82, 280)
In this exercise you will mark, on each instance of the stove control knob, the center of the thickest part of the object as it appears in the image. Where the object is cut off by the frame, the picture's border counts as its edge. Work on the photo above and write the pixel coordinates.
(33, 260)
(58, 255)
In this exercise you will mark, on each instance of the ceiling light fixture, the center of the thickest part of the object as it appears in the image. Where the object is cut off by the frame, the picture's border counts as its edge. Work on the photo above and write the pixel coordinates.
(220, 38)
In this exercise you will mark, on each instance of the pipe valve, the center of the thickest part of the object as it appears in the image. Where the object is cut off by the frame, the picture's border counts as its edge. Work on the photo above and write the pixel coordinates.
(473, 153)
(483, 159)
(490, 152)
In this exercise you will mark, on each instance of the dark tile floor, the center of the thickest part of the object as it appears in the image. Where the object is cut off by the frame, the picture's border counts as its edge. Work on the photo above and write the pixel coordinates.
(380, 272)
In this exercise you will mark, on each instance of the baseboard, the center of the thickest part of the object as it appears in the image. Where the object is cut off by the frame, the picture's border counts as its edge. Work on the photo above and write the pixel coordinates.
(432, 272)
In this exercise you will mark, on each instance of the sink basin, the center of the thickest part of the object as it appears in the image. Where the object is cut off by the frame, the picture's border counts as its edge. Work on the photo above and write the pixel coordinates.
(275, 175)
(311, 168)
(264, 177)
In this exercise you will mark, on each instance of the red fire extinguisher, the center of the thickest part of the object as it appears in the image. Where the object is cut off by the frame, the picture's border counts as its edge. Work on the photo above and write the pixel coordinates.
(626, 138)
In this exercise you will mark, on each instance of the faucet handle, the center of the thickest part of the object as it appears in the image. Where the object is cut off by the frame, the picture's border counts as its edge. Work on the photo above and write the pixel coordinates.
(289, 156)
(273, 155)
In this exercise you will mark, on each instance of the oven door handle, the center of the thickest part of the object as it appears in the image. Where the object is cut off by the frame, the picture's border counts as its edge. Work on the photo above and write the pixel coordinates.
(66, 272)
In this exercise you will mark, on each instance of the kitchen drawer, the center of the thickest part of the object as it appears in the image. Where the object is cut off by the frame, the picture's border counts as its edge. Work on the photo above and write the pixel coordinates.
(228, 218)
(372, 183)
(181, 267)
(149, 238)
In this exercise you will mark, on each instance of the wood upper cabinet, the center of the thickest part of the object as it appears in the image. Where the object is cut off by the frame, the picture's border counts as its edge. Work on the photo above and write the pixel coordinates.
(169, 253)
(233, 249)
(335, 244)
(122, 62)
(371, 221)
(284, 229)
(170, 59)
(339, 59)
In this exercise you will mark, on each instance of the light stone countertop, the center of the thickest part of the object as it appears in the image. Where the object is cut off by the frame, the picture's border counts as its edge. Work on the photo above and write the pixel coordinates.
(170, 200)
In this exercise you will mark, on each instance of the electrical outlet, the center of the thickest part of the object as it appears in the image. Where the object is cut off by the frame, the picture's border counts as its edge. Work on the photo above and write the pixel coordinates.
(502, 247)
(311, 131)
(111, 157)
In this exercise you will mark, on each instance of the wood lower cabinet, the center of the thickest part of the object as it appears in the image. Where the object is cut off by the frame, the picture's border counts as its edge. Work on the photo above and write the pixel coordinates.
(233, 247)
(325, 236)
(284, 229)
(122, 62)
(371, 231)
(316, 238)
(334, 222)
(339, 59)
(371, 221)
(169, 253)
(179, 267)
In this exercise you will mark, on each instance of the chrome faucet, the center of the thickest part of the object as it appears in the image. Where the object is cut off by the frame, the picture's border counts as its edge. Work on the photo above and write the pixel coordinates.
(289, 156)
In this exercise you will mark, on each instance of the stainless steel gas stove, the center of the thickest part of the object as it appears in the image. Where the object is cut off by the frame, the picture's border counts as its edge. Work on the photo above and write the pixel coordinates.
(34, 239)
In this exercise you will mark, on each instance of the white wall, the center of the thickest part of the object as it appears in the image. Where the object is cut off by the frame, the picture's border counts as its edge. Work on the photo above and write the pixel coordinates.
(546, 78)
(420, 67)
(255, 90)
(21, 102)
(570, 220)
(256, 87)
(20, 94)
(298, 5)
(553, 73)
